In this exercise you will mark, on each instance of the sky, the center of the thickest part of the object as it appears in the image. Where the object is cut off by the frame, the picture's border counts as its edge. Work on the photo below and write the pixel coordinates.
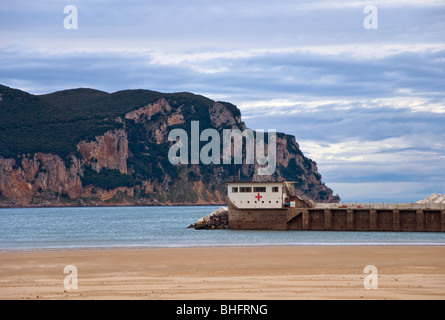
(367, 104)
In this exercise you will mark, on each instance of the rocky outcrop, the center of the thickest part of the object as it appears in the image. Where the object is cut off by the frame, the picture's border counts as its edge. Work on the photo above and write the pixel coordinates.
(109, 151)
(48, 177)
(127, 163)
(147, 112)
(37, 174)
(222, 117)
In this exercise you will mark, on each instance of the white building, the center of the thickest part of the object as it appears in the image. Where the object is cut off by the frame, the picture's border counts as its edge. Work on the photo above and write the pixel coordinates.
(260, 195)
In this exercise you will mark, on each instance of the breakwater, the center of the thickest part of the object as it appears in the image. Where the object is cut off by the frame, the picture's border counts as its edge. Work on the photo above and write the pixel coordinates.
(218, 219)
(340, 218)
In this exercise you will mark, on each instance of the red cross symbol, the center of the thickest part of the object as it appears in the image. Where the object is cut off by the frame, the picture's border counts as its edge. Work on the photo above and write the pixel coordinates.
(258, 197)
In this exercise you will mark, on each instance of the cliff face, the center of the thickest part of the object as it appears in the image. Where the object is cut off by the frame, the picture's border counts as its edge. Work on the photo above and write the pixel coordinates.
(109, 151)
(120, 157)
(46, 179)
(35, 175)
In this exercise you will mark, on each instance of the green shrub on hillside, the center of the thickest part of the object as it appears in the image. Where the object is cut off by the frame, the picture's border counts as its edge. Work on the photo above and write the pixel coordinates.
(107, 179)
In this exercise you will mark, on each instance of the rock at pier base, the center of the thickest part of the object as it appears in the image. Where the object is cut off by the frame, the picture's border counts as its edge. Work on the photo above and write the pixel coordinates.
(218, 219)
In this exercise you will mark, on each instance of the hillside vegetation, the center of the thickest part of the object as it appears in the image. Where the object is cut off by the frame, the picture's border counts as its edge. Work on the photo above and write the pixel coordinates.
(116, 143)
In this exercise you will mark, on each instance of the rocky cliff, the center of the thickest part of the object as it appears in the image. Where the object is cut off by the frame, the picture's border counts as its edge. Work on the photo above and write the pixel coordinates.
(85, 147)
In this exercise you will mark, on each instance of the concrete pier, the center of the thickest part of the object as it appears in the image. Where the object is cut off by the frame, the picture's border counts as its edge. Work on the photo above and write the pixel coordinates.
(384, 218)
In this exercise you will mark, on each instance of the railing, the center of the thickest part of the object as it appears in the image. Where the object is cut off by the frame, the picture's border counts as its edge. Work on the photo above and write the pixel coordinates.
(382, 206)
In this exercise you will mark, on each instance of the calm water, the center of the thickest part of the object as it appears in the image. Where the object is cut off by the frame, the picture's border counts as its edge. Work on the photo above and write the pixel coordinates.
(52, 228)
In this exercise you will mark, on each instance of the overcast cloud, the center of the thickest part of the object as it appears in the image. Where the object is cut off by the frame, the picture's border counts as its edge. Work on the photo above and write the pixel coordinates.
(367, 105)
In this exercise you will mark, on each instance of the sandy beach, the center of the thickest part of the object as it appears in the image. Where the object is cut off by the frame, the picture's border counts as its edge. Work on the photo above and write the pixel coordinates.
(287, 272)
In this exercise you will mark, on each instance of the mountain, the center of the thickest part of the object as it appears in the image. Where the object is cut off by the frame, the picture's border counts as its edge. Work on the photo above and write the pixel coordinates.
(84, 147)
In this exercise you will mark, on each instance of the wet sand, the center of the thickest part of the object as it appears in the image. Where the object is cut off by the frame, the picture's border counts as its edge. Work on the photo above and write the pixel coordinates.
(285, 272)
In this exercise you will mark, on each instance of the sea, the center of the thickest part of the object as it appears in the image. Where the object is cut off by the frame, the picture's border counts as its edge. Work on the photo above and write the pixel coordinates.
(34, 229)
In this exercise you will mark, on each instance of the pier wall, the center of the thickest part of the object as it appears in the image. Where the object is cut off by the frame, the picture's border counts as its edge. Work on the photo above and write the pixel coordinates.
(322, 219)
(258, 219)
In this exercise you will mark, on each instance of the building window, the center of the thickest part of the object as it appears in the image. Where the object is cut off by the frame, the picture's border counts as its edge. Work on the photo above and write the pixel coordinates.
(234, 189)
(275, 189)
(259, 189)
(245, 189)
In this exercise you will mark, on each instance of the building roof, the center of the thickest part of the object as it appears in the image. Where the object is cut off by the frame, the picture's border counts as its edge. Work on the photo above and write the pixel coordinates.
(259, 182)
(255, 182)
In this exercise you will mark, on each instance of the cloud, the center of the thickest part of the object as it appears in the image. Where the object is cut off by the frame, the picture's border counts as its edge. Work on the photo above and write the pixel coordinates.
(368, 106)
(386, 192)
(354, 146)
(197, 25)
